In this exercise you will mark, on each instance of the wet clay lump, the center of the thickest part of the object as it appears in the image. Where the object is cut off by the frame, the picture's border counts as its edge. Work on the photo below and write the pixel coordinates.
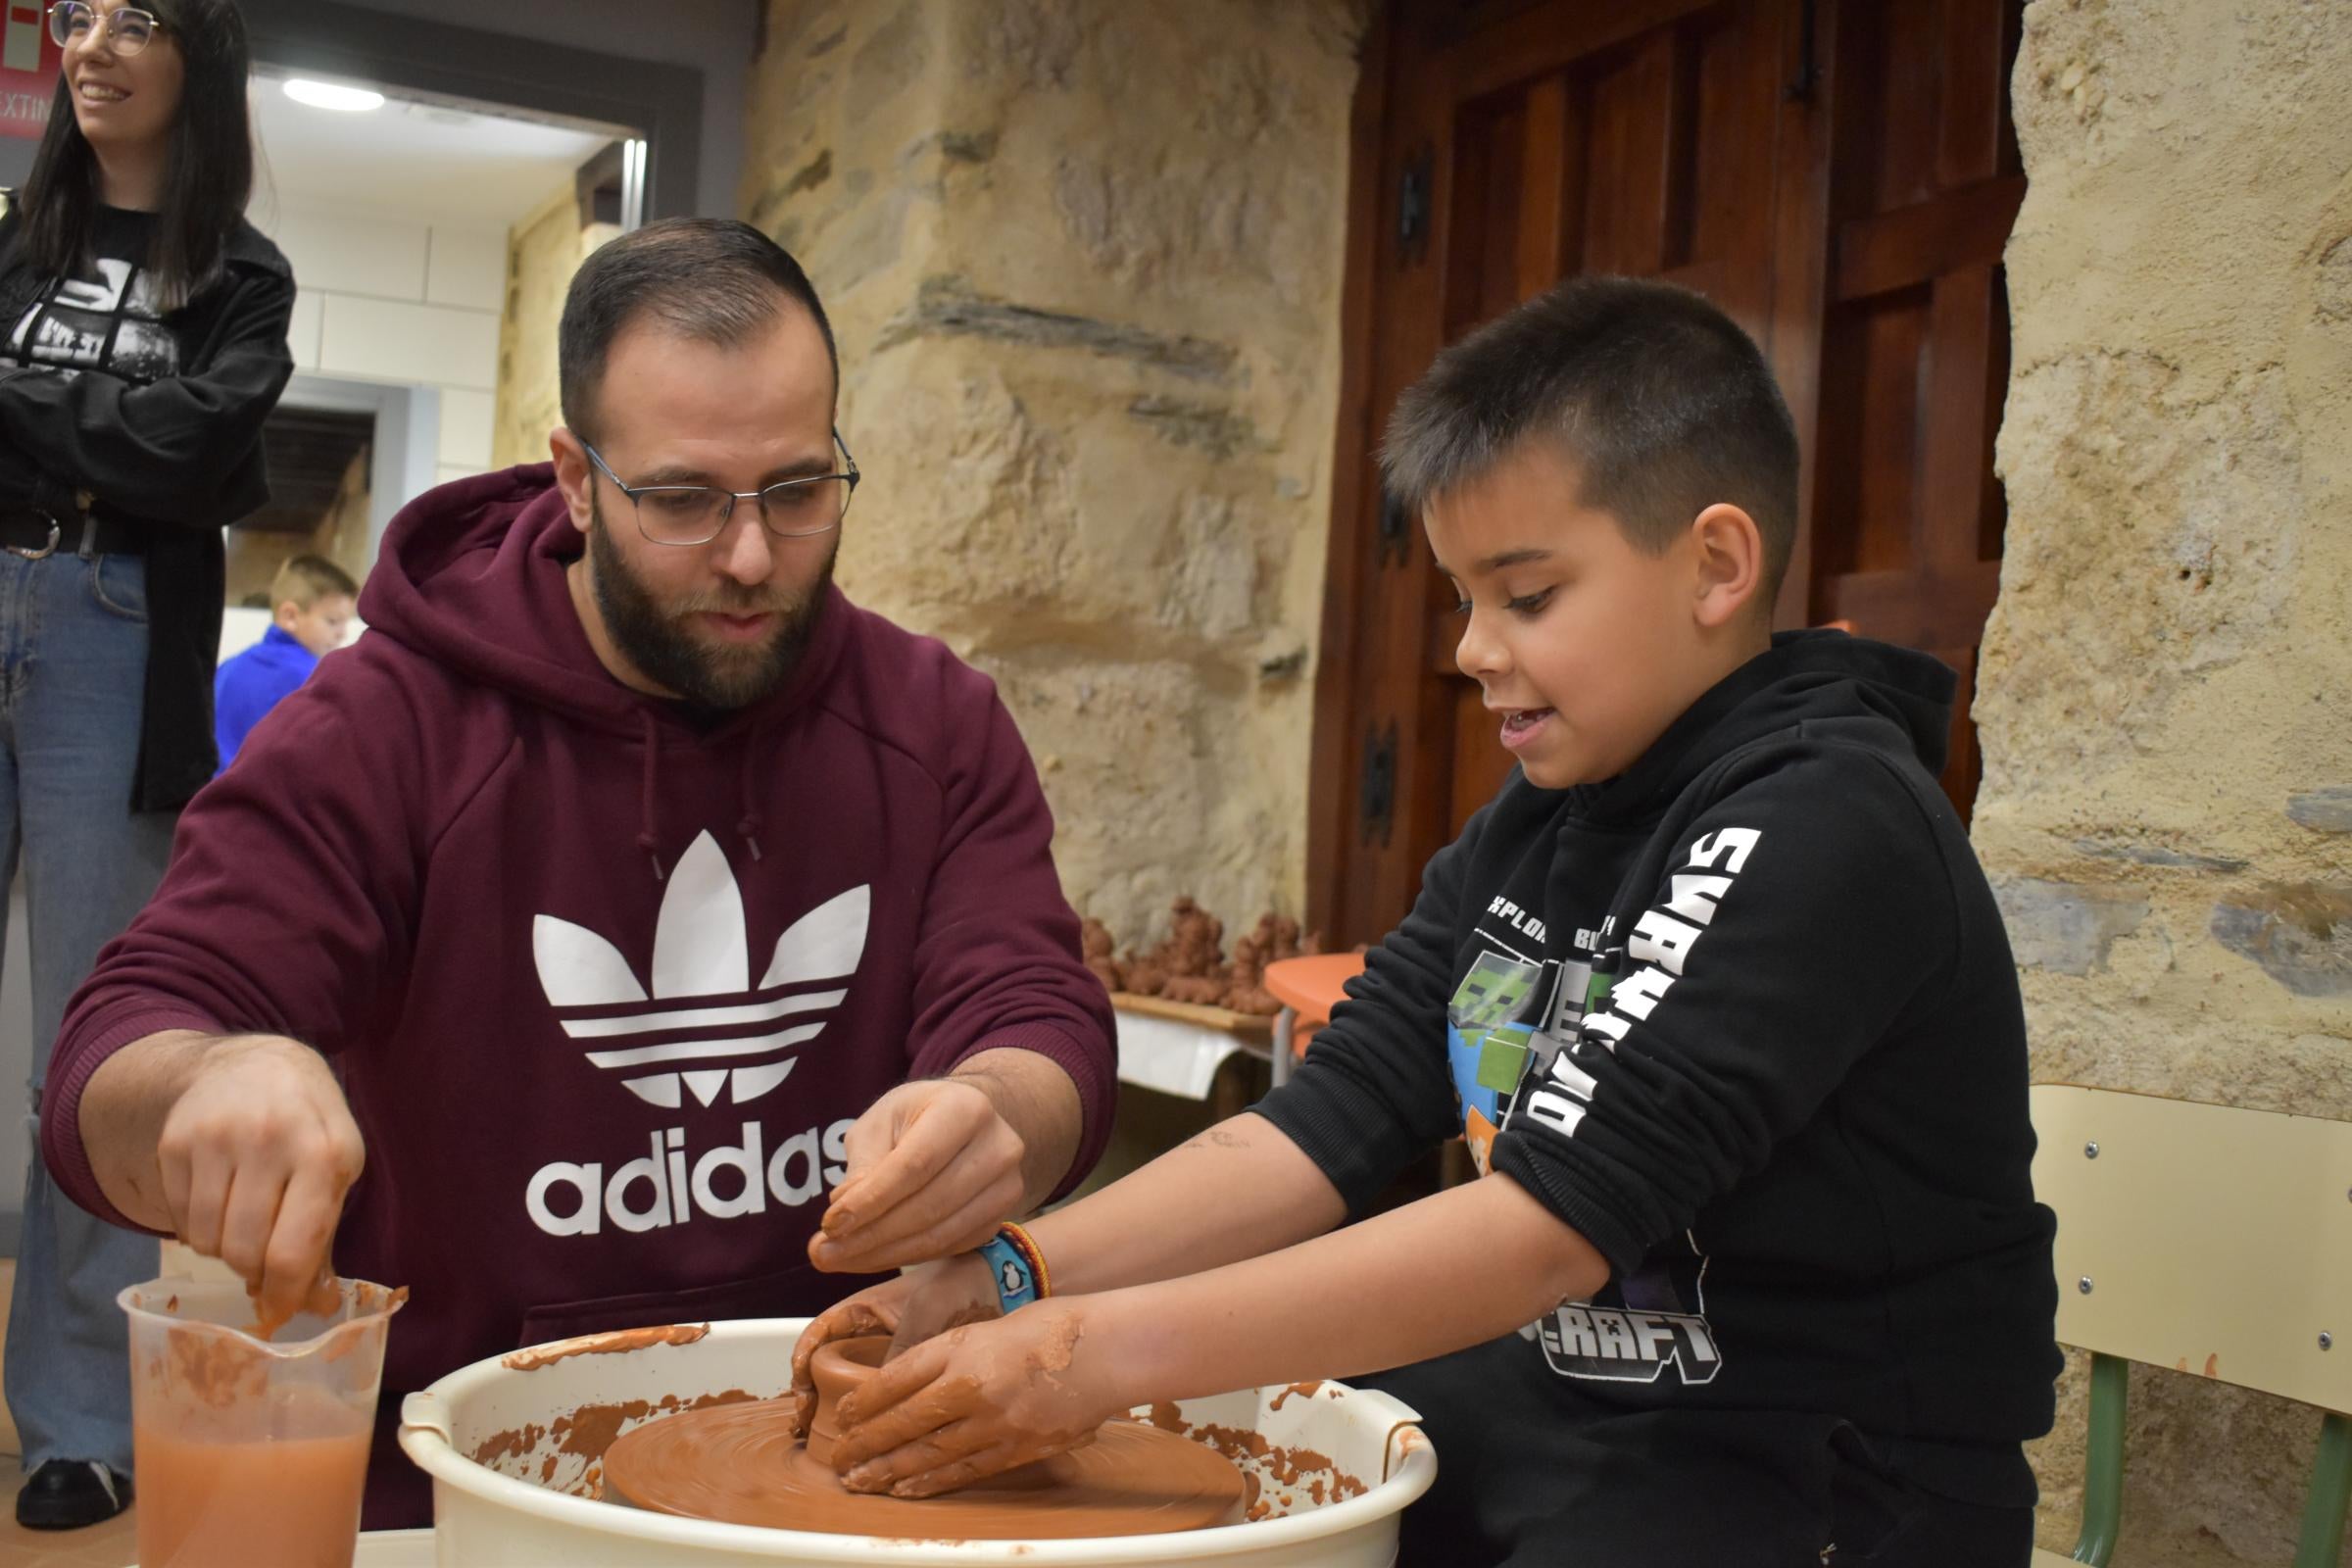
(742, 1464)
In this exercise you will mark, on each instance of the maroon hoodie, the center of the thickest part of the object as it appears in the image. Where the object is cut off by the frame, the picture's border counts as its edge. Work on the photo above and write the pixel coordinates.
(605, 989)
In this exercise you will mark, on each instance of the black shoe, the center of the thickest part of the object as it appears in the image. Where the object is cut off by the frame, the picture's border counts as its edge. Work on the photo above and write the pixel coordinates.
(71, 1494)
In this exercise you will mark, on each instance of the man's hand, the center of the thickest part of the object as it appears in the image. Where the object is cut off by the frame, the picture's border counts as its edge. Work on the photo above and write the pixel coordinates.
(910, 1308)
(934, 1168)
(256, 1156)
(978, 1400)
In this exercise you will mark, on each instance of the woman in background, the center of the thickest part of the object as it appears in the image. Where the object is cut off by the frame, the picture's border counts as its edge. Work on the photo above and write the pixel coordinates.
(142, 343)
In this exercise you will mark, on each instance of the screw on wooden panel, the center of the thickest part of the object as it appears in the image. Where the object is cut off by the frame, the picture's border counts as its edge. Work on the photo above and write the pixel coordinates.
(2326, 1341)
(2090, 1151)
(2083, 1284)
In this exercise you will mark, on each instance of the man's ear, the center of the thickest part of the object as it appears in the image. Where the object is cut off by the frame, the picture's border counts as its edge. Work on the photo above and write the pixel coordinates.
(1730, 551)
(575, 475)
(286, 614)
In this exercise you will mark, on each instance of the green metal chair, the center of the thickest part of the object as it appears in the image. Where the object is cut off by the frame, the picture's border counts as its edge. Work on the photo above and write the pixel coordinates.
(2211, 1240)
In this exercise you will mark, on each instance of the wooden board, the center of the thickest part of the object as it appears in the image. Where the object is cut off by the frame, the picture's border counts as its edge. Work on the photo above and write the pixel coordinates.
(1242, 1025)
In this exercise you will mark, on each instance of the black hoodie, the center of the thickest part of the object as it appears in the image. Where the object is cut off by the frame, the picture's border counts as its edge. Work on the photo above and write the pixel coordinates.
(1745, 1018)
(159, 422)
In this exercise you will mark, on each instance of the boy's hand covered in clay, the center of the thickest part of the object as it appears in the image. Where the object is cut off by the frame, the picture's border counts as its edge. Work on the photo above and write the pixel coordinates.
(911, 1308)
(978, 1400)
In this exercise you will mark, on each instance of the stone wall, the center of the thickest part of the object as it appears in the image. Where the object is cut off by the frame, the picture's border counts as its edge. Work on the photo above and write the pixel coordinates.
(543, 251)
(2167, 803)
(1084, 263)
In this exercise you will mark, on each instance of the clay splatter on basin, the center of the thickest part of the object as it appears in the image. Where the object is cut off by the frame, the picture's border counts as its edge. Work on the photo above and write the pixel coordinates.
(567, 1454)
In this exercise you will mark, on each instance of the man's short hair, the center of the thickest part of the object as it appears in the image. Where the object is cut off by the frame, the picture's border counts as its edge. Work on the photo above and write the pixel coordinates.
(712, 279)
(304, 580)
(1663, 404)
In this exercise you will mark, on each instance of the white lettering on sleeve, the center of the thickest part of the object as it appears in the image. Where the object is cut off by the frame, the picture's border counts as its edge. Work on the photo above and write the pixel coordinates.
(1659, 938)
(1637, 993)
(1695, 897)
(1736, 842)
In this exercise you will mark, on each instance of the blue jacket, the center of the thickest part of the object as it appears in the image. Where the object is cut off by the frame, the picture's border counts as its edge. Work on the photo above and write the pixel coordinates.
(251, 684)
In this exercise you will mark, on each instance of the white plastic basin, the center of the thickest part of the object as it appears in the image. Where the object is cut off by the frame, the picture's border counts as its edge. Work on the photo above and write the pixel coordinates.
(514, 1457)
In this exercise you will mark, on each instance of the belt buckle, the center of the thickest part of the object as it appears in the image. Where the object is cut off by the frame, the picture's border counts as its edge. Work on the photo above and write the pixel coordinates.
(56, 533)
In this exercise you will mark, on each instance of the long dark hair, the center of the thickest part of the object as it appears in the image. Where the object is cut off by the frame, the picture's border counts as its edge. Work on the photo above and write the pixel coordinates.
(207, 180)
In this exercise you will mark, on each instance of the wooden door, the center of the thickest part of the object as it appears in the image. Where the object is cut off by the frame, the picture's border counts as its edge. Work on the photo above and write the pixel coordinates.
(1839, 177)
(1905, 516)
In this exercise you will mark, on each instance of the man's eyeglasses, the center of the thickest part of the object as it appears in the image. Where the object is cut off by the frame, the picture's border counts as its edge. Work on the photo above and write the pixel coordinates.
(697, 514)
(126, 31)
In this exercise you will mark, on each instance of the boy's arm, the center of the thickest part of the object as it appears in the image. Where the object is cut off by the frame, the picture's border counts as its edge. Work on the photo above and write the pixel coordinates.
(1236, 1191)
(1457, 1269)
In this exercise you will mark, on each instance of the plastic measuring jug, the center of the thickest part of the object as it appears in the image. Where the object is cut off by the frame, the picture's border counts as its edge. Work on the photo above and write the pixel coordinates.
(249, 1450)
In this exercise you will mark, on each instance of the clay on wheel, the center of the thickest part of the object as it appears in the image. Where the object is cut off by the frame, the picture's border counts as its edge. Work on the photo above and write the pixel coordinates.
(741, 1464)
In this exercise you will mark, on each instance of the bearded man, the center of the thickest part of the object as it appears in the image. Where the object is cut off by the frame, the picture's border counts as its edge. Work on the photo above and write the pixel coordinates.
(622, 905)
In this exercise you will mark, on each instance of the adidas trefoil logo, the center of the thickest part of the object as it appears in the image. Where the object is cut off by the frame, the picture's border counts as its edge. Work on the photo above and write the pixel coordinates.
(702, 969)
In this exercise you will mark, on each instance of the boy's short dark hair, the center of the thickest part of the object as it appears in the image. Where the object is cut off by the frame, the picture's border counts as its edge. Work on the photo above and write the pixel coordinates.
(713, 280)
(304, 580)
(1665, 405)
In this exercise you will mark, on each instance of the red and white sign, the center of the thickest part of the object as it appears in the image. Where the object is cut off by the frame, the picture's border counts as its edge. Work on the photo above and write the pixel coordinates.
(29, 65)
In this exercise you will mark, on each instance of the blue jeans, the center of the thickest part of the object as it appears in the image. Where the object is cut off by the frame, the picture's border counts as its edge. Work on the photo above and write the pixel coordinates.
(72, 675)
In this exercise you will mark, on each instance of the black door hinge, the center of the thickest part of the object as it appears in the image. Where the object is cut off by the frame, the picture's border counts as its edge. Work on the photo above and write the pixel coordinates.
(1376, 789)
(1395, 531)
(1801, 86)
(1412, 206)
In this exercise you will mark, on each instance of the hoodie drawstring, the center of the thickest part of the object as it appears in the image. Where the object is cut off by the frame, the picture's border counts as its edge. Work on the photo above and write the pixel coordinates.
(748, 827)
(649, 837)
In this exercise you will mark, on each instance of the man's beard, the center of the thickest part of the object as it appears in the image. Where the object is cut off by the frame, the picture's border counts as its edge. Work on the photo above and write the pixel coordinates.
(654, 638)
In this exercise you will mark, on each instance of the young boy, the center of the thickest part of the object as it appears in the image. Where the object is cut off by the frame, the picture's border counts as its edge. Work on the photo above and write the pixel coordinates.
(312, 601)
(1717, 991)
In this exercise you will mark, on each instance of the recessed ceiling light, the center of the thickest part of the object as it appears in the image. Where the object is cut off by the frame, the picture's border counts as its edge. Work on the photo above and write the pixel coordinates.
(333, 95)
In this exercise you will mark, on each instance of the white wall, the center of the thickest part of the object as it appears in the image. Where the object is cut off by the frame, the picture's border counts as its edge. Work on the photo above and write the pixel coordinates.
(714, 37)
(403, 301)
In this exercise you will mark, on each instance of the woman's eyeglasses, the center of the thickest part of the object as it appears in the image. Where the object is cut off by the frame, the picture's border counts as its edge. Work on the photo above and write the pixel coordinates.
(126, 31)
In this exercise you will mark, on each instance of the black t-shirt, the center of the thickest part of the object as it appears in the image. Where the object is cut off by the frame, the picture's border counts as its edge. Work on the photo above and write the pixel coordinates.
(105, 317)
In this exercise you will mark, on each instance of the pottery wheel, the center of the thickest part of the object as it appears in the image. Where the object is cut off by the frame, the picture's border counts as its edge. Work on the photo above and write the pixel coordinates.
(741, 1464)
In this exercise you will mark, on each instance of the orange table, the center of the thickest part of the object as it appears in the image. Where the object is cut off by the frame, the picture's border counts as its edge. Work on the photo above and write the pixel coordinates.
(1307, 989)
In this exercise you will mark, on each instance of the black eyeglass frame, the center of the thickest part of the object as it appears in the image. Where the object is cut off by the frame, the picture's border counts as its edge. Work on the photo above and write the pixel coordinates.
(61, 29)
(726, 512)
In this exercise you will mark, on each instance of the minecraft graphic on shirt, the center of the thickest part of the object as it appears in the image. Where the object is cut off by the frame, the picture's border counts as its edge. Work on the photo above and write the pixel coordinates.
(1512, 1016)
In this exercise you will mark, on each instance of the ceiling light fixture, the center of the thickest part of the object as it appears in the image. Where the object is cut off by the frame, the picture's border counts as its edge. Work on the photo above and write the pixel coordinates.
(333, 95)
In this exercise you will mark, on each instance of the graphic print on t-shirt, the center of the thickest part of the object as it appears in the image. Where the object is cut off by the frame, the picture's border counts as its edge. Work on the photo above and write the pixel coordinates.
(1513, 1028)
(106, 322)
(1510, 1013)
(1634, 1328)
(1489, 1032)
